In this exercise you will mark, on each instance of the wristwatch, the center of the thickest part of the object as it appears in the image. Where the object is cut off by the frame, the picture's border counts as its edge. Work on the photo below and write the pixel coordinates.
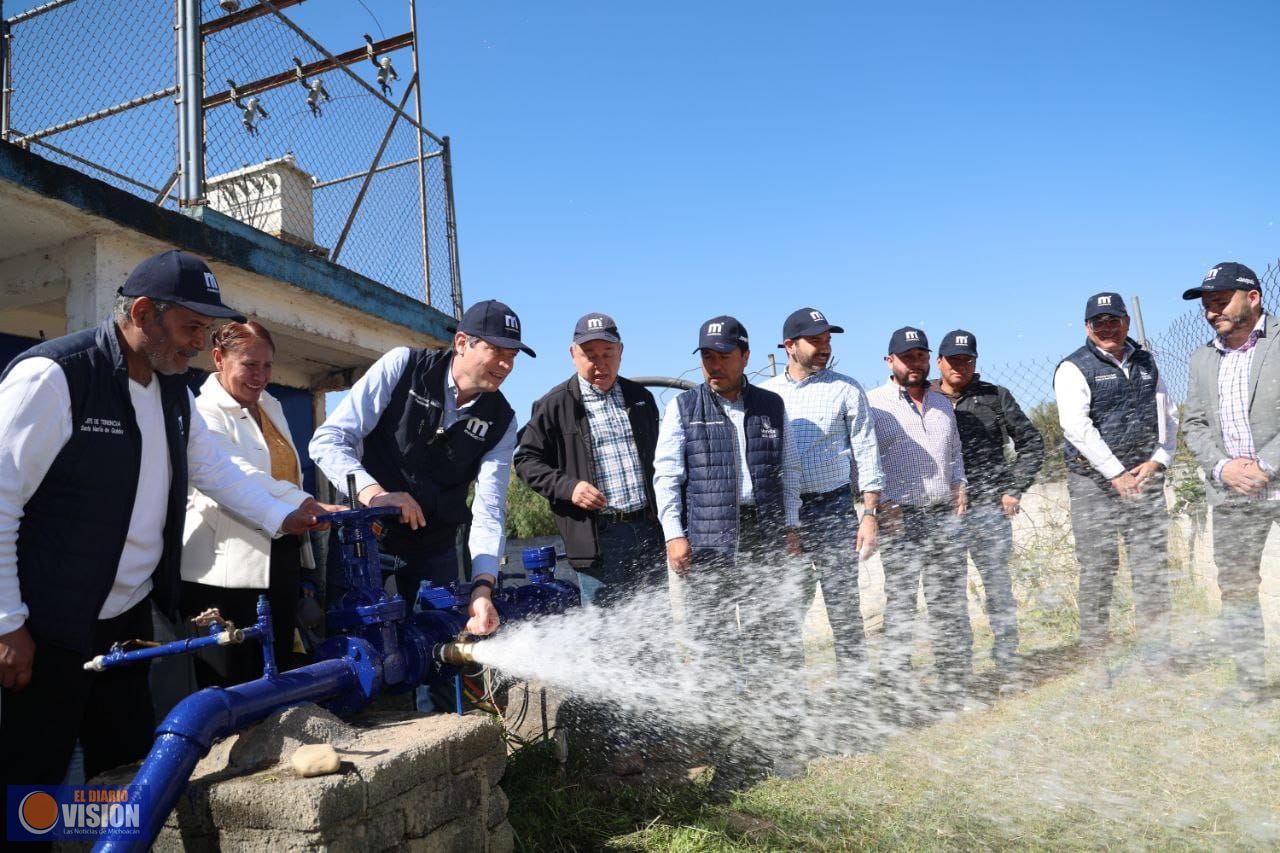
(871, 512)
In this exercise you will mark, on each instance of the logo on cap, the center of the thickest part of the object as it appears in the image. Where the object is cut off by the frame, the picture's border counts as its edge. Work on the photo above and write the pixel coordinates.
(595, 323)
(210, 283)
(1213, 273)
(715, 328)
(962, 340)
(817, 316)
(913, 336)
(513, 322)
(476, 428)
(1104, 300)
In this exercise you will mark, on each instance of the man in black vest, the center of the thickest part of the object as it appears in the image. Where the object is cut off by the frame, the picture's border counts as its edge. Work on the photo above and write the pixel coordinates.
(1119, 435)
(97, 448)
(988, 417)
(727, 480)
(416, 431)
(588, 449)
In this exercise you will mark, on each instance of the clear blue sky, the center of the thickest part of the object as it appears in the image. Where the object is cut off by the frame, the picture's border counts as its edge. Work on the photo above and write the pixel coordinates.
(985, 164)
(941, 164)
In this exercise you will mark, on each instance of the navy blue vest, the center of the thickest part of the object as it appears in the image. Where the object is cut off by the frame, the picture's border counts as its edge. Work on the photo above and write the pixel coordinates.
(408, 451)
(710, 491)
(1122, 408)
(73, 528)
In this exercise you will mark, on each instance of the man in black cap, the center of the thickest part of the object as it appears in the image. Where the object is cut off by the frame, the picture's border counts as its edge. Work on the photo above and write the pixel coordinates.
(97, 448)
(1119, 435)
(727, 481)
(588, 449)
(1230, 424)
(836, 439)
(988, 418)
(416, 431)
(924, 495)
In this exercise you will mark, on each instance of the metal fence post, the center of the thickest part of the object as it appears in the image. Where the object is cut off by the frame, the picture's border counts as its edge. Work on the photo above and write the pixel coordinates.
(422, 161)
(1137, 319)
(451, 226)
(6, 73)
(191, 118)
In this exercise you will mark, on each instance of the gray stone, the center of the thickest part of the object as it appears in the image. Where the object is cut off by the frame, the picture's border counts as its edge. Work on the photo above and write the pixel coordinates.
(465, 835)
(492, 766)
(502, 838)
(497, 812)
(457, 796)
(275, 799)
(476, 736)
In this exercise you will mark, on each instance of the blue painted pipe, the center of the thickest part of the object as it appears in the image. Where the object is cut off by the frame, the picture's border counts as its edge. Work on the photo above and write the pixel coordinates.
(375, 645)
(196, 722)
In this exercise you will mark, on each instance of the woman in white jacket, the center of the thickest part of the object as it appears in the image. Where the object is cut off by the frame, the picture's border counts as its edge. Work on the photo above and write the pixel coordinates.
(227, 560)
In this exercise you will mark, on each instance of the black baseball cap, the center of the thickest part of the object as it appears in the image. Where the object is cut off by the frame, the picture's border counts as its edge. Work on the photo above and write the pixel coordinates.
(183, 279)
(959, 342)
(804, 322)
(1227, 275)
(907, 338)
(1104, 303)
(494, 322)
(722, 334)
(596, 327)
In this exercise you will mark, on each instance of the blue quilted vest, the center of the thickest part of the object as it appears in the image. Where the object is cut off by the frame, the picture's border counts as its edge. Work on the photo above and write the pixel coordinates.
(1122, 408)
(710, 491)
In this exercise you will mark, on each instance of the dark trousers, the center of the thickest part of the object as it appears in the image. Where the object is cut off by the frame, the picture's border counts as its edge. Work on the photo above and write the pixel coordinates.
(1239, 534)
(109, 712)
(1100, 520)
(633, 559)
(987, 535)
(830, 526)
(737, 610)
(222, 666)
(927, 548)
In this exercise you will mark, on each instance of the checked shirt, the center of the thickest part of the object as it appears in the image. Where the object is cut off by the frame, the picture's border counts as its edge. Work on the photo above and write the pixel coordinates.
(613, 448)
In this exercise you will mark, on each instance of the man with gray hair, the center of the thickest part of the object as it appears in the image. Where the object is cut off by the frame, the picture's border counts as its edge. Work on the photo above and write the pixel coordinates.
(1230, 424)
(97, 448)
(588, 449)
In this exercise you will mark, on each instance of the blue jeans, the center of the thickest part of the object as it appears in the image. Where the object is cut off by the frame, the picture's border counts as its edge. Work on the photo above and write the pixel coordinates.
(830, 527)
(988, 535)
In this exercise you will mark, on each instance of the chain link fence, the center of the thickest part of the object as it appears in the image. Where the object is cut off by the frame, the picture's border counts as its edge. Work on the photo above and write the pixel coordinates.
(319, 147)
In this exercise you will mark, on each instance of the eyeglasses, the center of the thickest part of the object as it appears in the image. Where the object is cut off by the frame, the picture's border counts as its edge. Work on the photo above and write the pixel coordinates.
(1106, 321)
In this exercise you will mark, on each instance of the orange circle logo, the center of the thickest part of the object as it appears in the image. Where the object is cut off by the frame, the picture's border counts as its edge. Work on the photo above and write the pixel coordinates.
(38, 812)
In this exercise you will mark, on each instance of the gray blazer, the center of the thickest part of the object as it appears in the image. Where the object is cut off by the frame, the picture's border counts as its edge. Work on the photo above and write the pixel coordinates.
(1201, 426)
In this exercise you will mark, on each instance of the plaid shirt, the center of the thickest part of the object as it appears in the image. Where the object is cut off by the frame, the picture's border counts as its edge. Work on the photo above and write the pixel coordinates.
(920, 449)
(1233, 406)
(613, 448)
(835, 432)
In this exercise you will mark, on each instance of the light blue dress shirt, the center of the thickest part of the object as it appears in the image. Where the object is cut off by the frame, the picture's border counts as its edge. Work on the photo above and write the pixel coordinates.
(338, 444)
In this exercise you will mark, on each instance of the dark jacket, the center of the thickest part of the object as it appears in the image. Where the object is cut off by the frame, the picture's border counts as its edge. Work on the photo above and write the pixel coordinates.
(1122, 408)
(555, 455)
(710, 492)
(987, 416)
(407, 451)
(73, 528)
